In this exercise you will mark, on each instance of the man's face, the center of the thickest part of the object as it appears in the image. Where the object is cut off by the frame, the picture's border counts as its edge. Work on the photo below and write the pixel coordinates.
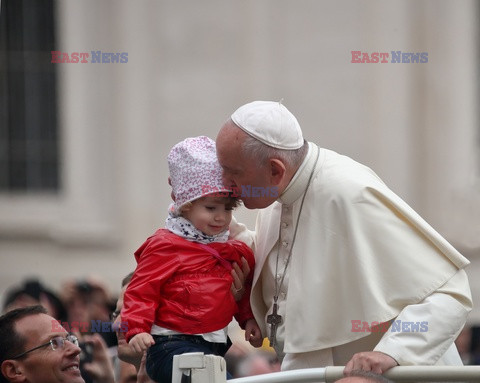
(123, 346)
(242, 173)
(46, 365)
(125, 352)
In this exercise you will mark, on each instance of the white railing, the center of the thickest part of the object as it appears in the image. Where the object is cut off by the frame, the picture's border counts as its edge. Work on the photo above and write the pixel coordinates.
(212, 369)
(397, 374)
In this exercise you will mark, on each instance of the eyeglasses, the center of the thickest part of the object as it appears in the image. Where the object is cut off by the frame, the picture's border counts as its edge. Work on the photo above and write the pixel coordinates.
(114, 315)
(56, 343)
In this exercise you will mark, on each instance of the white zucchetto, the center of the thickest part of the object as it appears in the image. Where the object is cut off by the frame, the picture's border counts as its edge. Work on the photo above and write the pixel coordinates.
(271, 123)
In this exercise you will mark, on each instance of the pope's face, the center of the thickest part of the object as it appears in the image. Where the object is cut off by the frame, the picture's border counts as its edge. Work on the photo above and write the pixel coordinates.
(242, 173)
(46, 365)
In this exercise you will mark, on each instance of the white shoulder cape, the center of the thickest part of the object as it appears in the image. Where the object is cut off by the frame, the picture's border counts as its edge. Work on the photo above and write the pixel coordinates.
(361, 253)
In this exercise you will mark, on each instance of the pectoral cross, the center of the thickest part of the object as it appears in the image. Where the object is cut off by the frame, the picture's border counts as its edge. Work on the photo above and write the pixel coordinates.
(274, 320)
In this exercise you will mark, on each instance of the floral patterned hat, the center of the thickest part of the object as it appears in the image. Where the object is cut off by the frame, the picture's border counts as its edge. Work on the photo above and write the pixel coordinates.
(194, 170)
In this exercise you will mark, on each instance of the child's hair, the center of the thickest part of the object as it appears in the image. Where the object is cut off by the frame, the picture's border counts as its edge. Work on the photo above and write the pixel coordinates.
(232, 200)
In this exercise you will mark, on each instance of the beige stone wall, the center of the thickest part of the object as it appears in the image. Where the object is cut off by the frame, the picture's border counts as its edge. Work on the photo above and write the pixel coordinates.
(190, 64)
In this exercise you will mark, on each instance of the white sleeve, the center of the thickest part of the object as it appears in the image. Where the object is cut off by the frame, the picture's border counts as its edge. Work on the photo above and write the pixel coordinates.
(442, 316)
(240, 232)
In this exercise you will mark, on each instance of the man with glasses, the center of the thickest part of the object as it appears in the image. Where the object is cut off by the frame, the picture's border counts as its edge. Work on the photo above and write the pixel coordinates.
(31, 352)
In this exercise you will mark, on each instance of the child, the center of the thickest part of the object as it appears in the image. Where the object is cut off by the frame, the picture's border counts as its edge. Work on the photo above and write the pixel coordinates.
(179, 298)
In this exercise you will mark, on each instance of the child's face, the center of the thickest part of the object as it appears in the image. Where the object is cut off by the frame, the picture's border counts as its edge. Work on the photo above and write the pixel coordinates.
(210, 215)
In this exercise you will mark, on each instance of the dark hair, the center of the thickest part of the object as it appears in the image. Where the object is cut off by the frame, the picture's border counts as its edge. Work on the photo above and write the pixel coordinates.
(232, 200)
(35, 289)
(12, 343)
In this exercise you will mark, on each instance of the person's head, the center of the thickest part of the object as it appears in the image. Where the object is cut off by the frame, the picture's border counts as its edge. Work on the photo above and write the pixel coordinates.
(257, 363)
(86, 300)
(197, 186)
(129, 359)
(360, 376)
(32, 293)
(33, 350)
(118, 307)
(125, 352)
(260, 148)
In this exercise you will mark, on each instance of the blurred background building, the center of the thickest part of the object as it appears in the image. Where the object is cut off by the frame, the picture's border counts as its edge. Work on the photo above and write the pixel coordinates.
(83, 146)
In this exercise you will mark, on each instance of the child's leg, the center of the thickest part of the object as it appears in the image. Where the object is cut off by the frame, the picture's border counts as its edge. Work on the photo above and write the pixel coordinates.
(160, 355)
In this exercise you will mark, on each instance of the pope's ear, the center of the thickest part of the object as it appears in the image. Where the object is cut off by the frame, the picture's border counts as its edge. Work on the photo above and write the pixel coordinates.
(12, 370)
(277, 171)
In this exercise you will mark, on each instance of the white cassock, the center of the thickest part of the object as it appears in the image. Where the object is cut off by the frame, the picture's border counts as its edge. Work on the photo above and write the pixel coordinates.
(361, 254)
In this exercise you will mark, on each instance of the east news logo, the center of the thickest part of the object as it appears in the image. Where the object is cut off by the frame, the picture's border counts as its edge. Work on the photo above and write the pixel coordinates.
(93, 57)
(397, 57)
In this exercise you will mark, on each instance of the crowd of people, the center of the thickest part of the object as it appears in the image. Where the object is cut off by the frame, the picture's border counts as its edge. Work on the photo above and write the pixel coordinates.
(114, 361)
(333, 245)
(104, 355)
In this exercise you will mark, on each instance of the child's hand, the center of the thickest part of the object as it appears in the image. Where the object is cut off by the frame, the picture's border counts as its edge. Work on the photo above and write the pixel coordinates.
(140, 342)
(253, 333)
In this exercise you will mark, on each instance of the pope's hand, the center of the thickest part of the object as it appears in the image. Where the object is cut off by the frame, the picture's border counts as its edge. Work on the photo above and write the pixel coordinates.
(374, 361)
(239, 275)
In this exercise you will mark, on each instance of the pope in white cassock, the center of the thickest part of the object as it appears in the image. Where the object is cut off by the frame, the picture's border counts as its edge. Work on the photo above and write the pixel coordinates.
(338, 253)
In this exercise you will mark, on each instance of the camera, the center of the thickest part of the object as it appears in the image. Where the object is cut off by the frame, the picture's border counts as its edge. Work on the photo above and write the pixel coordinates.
(86, 356)
(84, 287)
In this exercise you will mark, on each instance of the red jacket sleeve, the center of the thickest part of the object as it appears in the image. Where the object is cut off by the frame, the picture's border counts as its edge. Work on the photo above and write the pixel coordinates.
(156, 262)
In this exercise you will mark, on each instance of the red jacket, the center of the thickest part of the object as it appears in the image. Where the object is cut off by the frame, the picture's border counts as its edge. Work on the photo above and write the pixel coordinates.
(180, 286)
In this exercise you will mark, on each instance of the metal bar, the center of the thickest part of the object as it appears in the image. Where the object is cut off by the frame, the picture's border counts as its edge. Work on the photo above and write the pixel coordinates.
(297, 376)
(397, 374)
(419, 373)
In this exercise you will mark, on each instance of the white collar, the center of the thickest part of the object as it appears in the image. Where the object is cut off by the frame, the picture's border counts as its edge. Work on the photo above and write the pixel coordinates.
(184, 228)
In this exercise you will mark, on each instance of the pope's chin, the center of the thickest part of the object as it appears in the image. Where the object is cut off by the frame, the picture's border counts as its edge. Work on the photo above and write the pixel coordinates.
(256, 202)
